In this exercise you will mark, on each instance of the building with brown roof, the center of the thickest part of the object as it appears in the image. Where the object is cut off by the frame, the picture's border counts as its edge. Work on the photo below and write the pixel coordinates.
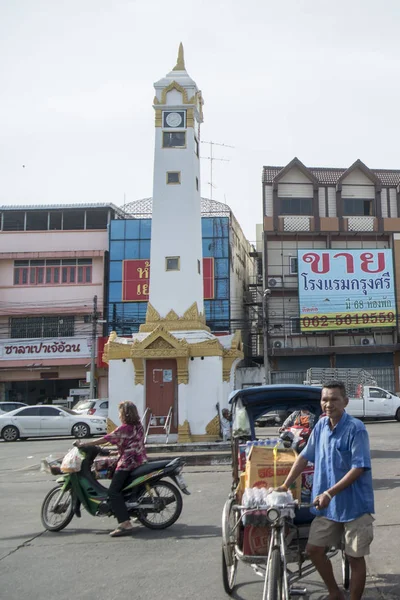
(331, 247)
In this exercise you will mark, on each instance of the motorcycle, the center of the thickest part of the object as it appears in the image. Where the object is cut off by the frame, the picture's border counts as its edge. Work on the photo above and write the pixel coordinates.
(154, 502)
(295, 437)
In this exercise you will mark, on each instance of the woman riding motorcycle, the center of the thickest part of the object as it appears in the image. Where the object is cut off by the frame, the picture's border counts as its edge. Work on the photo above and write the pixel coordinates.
(129, 439)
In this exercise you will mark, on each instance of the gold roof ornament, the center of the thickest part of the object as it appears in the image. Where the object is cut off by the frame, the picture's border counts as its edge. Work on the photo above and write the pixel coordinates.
(180, 65)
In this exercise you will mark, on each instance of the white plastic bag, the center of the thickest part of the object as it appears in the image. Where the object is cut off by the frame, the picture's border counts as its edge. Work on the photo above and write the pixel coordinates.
(276, 498)
(71, 463)
(241, 423)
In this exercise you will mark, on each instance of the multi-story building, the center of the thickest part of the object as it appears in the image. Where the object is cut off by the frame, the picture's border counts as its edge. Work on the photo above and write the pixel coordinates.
(228, 269)
(331, 253)
(52, 266)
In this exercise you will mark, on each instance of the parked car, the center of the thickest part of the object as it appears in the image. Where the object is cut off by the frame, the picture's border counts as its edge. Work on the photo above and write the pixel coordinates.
(92, 407)
(48, 421)
(6, 407)
(275, 417)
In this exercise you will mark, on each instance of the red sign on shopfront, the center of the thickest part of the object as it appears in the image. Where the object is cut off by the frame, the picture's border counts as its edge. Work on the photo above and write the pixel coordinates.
(136, 280)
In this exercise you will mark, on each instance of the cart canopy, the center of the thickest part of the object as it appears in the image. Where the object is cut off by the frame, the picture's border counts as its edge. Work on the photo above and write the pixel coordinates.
(261, 399)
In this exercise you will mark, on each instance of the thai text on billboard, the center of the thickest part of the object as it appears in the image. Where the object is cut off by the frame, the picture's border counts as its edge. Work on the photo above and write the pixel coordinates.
(346, 289)
(136, 280)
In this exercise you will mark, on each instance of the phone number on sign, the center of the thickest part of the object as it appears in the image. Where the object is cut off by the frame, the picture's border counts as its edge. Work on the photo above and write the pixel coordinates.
(348, 320)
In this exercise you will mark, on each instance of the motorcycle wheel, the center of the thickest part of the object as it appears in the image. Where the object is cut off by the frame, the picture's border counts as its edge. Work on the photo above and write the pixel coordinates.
(57, 515)
(167, 498)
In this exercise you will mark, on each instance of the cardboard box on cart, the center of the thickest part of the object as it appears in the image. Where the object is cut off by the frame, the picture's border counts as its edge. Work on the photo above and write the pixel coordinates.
(267, 467)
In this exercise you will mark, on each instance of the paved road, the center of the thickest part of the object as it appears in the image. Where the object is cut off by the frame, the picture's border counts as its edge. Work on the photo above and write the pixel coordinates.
(182, 562)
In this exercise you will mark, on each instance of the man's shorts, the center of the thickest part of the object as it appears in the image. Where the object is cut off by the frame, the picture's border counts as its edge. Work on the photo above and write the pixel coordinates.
(357, 534)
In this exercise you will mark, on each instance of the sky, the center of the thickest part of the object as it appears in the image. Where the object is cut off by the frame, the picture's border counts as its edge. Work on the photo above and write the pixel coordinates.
(315, 79)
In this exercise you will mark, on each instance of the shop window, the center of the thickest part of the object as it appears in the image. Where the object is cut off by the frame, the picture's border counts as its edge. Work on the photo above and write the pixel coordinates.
(53, 272)
(357, 207)
(117, 229)
(13, 220)
(293, 270)
(144, 249)
(96, 219)
(296, 206)
(295, 325)
(42, 327)
(37, 220)
(73, 219)
(145, 229)
(55, 221)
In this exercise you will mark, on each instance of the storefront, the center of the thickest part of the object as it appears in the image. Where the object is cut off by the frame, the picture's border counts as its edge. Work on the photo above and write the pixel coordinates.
(44, 370)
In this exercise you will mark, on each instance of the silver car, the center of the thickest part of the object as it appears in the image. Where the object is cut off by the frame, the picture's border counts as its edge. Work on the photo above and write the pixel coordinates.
(48, 421)
(98, 408)
(6, 407)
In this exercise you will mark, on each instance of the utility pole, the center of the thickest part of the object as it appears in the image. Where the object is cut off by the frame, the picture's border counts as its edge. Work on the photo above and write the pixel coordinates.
(211, 158)
(267, 369)
(93, 353)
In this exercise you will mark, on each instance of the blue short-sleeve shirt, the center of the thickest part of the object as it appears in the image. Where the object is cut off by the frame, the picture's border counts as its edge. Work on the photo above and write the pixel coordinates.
(334, 452)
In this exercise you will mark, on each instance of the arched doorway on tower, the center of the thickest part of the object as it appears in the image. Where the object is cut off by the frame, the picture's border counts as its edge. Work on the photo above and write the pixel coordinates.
(161, 394)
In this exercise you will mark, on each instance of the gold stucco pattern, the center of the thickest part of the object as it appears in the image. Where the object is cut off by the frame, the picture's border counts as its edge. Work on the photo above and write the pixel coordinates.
(213, 427)
(191, 320)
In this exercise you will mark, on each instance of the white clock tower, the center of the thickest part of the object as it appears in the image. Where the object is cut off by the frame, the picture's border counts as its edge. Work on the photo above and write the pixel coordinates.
(176, 271)
(174, 369)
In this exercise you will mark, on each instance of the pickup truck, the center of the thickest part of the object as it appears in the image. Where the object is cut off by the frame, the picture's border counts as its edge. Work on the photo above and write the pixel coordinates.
(374, 402)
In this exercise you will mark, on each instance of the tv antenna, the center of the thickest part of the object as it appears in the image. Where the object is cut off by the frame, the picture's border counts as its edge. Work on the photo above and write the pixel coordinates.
(211, 158)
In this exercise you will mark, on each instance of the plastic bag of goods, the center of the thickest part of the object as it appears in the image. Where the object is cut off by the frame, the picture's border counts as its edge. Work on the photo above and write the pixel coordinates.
(241, 423)
(72, 461)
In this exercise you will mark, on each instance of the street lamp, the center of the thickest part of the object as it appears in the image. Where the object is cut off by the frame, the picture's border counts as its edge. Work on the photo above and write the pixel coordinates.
(267, 369)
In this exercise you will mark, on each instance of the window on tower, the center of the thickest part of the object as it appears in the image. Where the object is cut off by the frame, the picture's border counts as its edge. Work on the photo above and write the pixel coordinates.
(172, 263)
(196, 145)
(173, 177)
(174, 139)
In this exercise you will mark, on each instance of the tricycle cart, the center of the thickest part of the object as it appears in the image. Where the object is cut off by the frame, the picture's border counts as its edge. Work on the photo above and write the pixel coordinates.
(268, 533)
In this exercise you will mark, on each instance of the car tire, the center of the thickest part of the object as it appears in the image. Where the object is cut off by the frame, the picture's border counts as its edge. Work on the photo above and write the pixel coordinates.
(10, 433)
(397, 416)
(80, 430)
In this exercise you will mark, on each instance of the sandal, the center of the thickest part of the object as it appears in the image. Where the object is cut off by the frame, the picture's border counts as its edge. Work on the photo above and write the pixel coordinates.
(121, 531)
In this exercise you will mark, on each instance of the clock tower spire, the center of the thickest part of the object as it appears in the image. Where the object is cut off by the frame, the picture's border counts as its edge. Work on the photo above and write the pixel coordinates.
(180, 64)
(176, 271)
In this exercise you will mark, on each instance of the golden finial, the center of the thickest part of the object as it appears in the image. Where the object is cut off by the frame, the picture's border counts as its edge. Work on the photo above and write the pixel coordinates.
(180, 65)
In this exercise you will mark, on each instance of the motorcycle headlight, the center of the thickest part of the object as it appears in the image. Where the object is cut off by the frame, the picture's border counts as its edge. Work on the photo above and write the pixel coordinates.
(273, 514)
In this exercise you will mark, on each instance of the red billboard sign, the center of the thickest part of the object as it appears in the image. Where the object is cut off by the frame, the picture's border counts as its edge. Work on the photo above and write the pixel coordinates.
(136, 280)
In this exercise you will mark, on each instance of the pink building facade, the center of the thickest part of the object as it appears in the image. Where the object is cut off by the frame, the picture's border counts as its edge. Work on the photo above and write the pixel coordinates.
(53, 261)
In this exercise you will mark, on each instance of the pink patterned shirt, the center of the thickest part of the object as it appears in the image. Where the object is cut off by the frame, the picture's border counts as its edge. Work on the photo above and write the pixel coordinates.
(129, 440)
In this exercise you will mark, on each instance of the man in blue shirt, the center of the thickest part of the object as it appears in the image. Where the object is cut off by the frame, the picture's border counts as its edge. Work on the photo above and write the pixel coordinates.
(342, 490)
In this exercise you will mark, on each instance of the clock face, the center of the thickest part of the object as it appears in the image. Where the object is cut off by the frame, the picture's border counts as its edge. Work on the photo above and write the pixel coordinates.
(174, 119)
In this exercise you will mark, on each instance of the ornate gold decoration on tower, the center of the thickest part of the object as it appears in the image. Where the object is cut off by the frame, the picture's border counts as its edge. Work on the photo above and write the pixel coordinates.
(180, 64)
(192, 319)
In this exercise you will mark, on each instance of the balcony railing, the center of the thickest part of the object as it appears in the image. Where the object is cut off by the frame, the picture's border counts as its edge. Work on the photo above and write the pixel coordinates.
(360, 223)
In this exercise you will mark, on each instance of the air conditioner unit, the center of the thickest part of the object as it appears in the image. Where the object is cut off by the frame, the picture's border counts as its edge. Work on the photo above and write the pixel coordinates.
(275, 282)
(277, 344)
(367, 341)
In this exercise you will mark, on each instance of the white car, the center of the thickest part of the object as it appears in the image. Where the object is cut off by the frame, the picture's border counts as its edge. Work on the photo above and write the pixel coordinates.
(48, 421)
(98, 408)
(6, 407)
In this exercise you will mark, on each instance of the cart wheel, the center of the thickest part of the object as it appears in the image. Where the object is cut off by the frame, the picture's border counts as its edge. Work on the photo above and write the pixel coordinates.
(345, 571)
(230, 535)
